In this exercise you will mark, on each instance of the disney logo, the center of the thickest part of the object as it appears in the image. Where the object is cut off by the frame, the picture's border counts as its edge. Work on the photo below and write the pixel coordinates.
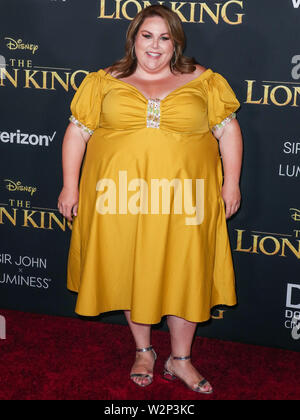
(17, 186)
(19, 45)
(295, 215)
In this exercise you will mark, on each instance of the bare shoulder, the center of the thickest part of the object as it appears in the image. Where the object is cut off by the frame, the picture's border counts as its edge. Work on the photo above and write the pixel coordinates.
(108, 70)
(187, 77)
(199, 69)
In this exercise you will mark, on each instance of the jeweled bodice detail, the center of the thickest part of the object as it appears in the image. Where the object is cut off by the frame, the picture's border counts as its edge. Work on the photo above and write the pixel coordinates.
(153, 113)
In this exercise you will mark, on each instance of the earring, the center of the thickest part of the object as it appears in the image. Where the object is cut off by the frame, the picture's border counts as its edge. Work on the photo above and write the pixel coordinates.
(132, 53)
(174, 59)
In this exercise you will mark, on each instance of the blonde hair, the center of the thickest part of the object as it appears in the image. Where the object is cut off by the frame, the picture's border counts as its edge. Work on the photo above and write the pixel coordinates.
(180, 63)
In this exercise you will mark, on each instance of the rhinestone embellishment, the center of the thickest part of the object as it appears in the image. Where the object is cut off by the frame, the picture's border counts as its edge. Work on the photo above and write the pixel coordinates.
(224, 122)
(153, 113)
(80, 125)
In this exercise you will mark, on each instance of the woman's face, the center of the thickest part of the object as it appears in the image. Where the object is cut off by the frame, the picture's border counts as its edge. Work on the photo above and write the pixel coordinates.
(153, 46)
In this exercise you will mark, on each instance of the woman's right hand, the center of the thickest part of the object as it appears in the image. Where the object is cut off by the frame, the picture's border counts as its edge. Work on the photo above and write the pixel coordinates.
(68, 203)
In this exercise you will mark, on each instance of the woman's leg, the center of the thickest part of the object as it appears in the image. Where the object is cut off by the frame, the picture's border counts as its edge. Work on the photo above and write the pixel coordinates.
(182, 333)
(144, 360)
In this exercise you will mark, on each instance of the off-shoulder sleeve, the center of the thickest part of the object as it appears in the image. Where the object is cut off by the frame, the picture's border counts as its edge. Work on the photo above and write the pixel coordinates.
(86, 103)
(222, 102)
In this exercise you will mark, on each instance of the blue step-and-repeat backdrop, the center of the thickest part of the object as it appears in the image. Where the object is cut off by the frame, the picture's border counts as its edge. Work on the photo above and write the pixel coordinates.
(46, 49)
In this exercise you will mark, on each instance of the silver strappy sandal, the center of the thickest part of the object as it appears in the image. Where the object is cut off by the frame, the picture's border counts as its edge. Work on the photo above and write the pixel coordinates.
(170, 376)
(144, 375)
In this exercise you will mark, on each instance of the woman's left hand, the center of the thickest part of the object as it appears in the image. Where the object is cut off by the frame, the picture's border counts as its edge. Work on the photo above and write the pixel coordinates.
(232, 198)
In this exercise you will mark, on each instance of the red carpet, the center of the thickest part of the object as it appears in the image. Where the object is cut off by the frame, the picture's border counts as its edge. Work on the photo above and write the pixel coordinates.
(57, 358)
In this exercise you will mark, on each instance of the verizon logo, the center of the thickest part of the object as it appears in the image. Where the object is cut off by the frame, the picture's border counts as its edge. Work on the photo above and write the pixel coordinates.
(296, 3)
(25, 138)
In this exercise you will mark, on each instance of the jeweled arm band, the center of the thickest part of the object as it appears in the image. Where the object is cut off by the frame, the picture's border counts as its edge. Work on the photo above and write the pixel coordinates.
(224, 122)
(80, 125)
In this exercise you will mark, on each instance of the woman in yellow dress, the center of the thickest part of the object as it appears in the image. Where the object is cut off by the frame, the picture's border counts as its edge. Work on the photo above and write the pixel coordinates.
(149, 215)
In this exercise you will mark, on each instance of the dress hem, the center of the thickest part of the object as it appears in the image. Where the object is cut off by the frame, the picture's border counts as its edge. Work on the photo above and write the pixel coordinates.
(94, 314)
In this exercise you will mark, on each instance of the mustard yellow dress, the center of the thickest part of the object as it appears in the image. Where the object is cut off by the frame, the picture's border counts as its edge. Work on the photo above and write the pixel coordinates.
(151, 235)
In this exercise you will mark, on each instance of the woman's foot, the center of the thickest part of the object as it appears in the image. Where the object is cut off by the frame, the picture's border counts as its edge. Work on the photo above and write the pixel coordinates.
(184, 370)
(142, 369)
